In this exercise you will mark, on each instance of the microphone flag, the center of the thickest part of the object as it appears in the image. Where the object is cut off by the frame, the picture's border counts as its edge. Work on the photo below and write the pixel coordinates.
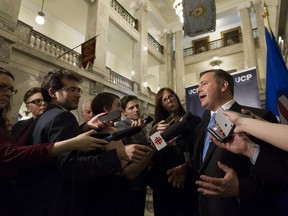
(158, 141)
(88, 52)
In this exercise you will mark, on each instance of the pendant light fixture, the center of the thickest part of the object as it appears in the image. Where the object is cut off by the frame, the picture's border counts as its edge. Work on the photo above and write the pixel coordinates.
(40, 19)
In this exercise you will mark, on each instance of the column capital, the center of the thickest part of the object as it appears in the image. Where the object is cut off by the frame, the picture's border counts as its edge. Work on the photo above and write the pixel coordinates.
(244, 5)
(177, 28)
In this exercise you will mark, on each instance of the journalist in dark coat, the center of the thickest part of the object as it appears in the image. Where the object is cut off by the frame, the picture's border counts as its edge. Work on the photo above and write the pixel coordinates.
(57, 188)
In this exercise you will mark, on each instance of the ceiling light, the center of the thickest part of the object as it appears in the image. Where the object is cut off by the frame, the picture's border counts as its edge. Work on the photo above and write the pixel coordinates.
(40, 18)
(216, 64)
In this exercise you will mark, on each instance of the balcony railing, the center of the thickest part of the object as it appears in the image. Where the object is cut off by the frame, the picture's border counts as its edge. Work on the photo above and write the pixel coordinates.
(119, 80)
(125, 14)
(155, 43)
(50, 47)
(223, 42)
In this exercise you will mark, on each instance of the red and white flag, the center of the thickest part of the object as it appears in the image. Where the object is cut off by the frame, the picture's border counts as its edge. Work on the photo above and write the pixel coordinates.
(158, 141)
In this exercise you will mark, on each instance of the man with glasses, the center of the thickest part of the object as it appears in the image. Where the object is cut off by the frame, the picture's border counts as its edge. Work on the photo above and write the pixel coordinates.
(48, 191)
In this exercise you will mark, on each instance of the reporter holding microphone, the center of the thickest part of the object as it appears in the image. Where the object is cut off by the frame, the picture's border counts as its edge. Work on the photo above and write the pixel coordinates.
(167, 199)
(132, 112)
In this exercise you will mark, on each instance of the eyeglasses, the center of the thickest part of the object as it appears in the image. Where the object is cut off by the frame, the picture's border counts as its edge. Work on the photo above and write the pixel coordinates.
(5, 88)
(170, 98)
(73, 90)
(38, 102)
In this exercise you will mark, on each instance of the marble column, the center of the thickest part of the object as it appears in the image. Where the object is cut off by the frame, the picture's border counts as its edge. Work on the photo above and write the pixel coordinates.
(258, 7)
(9, 12)
(97, 24)
(179, 69)
(140, 48)
(247, 36)
(166, 69)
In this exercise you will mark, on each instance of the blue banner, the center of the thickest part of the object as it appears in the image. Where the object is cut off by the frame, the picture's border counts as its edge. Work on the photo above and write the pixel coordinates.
(246, 92)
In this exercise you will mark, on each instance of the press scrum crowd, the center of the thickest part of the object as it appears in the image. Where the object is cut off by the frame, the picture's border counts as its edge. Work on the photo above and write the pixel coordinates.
(51, 165)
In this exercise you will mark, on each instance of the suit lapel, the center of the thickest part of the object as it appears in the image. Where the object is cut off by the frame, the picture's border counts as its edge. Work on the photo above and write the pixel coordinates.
(212, 147)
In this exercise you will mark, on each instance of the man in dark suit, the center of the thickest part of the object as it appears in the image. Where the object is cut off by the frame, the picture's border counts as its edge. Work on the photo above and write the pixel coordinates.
(49, 191)
(242, 193)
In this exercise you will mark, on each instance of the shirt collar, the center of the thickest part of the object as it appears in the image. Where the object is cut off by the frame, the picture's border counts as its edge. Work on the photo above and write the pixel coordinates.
(225, 106)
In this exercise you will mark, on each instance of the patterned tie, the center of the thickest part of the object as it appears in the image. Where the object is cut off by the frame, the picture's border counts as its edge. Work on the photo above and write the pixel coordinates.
(207, 136)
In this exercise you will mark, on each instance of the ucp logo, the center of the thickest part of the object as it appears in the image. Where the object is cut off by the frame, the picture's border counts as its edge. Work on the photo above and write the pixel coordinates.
(243, 78)
(193, 91)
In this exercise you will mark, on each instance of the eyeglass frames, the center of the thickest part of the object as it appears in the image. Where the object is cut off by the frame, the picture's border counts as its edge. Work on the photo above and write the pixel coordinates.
(5, 88)
(170, 98)
(38, 102)
(73, 90)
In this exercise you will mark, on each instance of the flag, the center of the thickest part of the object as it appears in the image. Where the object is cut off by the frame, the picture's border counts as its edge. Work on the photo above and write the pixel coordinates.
(88, 51)
(158, 141)
(276, 79)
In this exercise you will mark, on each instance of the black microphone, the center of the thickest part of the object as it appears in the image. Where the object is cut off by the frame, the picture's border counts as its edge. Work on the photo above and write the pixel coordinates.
(147, 120)
(118, 134)
(159, 140)
(174, 131)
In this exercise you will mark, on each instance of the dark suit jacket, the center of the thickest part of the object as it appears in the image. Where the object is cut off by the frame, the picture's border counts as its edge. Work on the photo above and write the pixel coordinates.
(48, 188)
(168, 200)
(22, 131)
(249, 184)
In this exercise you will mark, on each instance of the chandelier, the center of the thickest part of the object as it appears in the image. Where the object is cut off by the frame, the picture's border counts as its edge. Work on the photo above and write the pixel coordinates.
(178, 7)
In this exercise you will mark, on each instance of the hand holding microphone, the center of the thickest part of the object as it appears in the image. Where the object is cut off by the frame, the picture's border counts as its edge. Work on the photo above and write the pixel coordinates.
(159, 140)
(118, 134)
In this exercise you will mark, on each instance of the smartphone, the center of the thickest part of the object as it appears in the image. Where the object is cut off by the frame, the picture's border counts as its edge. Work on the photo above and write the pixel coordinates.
(111, 116)
(216, 132)
(224, 123)
(223, 130)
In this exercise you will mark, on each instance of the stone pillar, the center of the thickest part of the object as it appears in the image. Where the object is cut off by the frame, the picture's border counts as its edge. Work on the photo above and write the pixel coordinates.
(179, 69)
(258, 7)
(97, 24)
(9, 13)
(166, 69)
(140, 48)
(247, 36)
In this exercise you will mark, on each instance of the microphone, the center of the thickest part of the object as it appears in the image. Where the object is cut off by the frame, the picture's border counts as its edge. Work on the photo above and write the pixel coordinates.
(118, 134)
(174, 131)
(147, 120)
(159, 140)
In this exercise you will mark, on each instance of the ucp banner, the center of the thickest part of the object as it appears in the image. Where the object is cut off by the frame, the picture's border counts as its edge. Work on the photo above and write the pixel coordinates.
(246, 92)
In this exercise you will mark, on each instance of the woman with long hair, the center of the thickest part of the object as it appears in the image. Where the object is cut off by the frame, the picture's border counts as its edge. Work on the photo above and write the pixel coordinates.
(167, 199)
